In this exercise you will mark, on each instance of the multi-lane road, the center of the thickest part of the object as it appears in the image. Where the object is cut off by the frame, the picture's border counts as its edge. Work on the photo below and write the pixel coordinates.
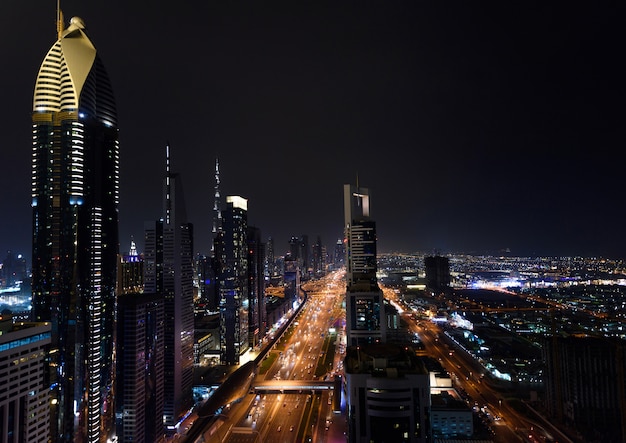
(302, 353)
(468, 377)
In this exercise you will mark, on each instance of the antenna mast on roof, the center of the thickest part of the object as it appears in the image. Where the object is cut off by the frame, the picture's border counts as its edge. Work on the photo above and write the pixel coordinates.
(59, 20)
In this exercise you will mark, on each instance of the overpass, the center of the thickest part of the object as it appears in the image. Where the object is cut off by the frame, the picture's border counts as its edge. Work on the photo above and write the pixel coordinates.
(292, 385)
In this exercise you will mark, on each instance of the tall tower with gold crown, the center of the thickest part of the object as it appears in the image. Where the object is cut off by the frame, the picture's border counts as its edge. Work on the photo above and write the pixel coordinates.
(75, 195)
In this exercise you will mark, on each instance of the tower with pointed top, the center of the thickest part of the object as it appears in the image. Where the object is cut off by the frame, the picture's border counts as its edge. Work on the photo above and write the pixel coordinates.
(75, 195)
(168, 271)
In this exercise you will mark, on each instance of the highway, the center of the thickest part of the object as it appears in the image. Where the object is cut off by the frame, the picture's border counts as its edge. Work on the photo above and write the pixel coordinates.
(469, 378)
(300, 354)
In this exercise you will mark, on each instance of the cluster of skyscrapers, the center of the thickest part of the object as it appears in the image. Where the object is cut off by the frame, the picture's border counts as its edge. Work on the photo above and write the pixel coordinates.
(110, 351)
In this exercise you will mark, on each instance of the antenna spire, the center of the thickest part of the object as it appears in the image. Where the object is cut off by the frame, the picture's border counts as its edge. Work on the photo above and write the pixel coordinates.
(59, 20)
(168, 187)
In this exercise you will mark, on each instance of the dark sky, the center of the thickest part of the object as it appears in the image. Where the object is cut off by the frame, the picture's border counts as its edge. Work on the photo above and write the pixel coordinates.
(477, 126)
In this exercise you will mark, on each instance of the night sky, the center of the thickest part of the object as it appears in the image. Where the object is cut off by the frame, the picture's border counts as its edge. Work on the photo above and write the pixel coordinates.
(478, 126)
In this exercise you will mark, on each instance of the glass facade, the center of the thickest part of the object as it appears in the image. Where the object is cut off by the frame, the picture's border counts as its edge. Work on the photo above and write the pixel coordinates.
(75, 193)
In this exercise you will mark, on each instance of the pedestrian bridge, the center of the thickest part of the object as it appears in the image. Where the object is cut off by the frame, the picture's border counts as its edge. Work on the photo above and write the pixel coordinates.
(292, 385)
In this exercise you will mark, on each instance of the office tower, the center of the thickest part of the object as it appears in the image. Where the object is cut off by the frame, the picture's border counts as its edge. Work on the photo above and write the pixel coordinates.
(75, 194)
(299, 251)
(291, 279)
(257, 314)
(388, 392)
(270, 259)
(339, 254)
(360, 234)
(207, 287)
(318, 257)
(585, 385)
(139, 375)
(24, 396)
(130, 271)
(365, 311)
(231, 250)
(168, 264)
(437, 273)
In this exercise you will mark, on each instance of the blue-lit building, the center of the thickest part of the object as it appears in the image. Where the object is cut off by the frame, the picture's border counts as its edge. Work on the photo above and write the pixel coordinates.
(75, 195)
(24, 396)
(231, 252)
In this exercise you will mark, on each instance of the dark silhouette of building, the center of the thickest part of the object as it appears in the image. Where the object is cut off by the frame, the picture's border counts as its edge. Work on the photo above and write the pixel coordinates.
(75, 194)
(140, 371)
(318, 258)
(437, 273)
(207, 283)
(585, 385)
(168, 265)
(291, 280)
(256, 287)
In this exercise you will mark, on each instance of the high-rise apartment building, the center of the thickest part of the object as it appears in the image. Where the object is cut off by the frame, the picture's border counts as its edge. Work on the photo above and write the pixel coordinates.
(231, 251)
(168, 266)
(365, 310)
(24, 399)
(75, 194)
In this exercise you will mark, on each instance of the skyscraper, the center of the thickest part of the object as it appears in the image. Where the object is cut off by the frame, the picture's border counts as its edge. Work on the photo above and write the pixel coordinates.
(75, 194)
(168, 267)
(365, 312)
(24, 400)
(139, 378)
(387, 387)
(256, 287)
(231, 250)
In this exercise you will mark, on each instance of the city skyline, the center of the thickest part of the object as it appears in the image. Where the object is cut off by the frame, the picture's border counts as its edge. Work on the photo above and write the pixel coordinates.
(491, 127)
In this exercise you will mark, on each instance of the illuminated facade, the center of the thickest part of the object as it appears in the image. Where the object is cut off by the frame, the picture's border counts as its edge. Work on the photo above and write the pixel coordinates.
(388, 392)
(360, 234)
(24, 400)
(168, 271)
(231, 251)
(75, 194)
(365, 311)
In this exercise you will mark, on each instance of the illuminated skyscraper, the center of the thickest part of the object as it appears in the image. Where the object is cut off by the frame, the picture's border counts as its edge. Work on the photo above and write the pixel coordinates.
(231, 251)
(168, 271)
(24, 399)
(365, 311)
(387, 387)
(75, 194)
